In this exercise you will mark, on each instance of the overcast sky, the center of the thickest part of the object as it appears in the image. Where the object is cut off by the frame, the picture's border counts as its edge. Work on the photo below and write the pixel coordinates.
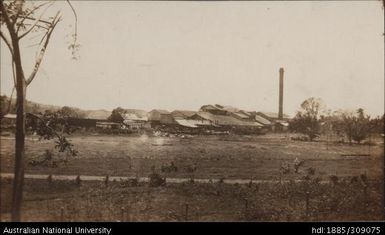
(181, 55)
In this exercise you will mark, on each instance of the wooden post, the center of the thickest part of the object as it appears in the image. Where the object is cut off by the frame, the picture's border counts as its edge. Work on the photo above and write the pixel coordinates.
(62, 214)
(289, 199)
(49, 179)
(246, 208)
(106, 180)
(122, 214)
(77, 180)
(365, 190)
(307, 205)
(128, 214)
(76, 215)
(186, 212)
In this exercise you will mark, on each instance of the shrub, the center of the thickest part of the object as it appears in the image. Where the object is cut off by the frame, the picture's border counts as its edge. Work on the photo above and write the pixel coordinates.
(333, 179)
(156, 180)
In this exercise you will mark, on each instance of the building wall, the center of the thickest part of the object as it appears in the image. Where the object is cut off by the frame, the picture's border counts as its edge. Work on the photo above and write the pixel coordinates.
(153, 116)
(167, 119)
(8, 122)
(82, 122)
(137, 124)
(108, 125)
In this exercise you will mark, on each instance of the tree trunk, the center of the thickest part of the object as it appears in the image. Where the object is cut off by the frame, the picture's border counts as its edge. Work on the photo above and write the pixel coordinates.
(19, 136)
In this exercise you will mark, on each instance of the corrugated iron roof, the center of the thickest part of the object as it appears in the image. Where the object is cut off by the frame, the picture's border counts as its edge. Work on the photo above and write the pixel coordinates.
(183, 113)
(273, 115)
(225, 120)
(134, 117)
(210, 107)
(98, 114)
(186, 123)
(230, 108)
(162, 111)
(283, 123)
(245, 113)
(241, 115)
(138, 112)
(10, 116)
(262, 120)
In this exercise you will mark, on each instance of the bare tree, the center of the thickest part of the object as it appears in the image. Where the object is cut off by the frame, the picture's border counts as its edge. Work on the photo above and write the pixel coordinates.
(20, 21)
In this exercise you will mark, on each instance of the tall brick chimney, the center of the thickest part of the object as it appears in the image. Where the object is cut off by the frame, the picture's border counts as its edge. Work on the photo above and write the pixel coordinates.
(280, 111)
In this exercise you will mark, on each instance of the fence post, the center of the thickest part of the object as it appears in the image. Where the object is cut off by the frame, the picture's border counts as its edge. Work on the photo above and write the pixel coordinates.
(365, 190)
(49, 179)
(78, 180)
(246, 208)
(77, 214)
(62, 214)
(288, 217)
(128, 214)
(186, 212)
(122, 214)
(106, 180)
(307, 205)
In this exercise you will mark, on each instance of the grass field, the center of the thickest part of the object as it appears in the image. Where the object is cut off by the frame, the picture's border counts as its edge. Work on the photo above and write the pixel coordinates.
(228, 157)
(92, 201)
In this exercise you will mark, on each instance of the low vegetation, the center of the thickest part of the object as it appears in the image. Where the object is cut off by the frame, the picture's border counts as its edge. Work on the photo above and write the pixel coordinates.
(347, 199)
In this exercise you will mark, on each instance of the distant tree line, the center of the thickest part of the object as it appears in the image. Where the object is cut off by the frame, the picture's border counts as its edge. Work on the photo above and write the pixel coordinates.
(313, 119)
(9, 106)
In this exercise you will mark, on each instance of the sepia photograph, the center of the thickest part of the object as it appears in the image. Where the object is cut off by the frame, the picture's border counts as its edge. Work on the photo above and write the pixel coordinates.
(191, 111)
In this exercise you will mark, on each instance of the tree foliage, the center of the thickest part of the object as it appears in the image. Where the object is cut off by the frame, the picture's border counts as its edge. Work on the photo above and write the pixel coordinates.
(355, 126)
(66, 111)
(307, 119)
(306, 125)
(3, 106)
(116, 115)
(377, 125)
(51, 125)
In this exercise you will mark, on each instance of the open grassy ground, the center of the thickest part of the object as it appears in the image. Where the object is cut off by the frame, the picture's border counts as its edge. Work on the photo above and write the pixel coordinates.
(229, 157)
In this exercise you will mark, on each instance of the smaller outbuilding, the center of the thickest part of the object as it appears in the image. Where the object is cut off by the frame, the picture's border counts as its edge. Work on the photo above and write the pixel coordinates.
(276, 123)
(108, 125)
(135, 119)
(160, 117)
(8, 121)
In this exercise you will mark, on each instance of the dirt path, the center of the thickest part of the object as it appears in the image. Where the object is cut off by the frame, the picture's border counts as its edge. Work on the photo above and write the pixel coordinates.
(145, 179)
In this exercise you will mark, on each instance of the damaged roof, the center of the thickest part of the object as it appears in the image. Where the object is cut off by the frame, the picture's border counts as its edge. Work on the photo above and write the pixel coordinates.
(224, 120)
